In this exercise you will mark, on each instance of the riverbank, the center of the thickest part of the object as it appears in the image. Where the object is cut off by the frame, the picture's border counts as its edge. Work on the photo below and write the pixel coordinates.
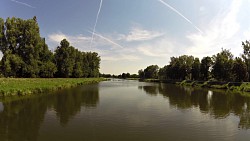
(233, 86)
(28, 86)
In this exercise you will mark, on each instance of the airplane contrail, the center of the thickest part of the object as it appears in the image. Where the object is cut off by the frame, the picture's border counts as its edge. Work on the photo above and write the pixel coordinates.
(179, 13)
(97, 17)
(110, 41)
(30, 6)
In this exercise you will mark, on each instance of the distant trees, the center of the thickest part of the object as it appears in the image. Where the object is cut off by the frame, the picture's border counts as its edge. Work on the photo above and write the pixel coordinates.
(179, 68)
(25, 53)
(221, 67)
(125, 75)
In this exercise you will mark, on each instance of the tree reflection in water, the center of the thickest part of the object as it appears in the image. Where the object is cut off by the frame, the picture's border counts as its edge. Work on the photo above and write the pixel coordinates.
(21, 119)
(217, 103)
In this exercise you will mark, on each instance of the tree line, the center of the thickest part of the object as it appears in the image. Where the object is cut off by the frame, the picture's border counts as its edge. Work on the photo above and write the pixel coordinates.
(222, 66)
(25, 54)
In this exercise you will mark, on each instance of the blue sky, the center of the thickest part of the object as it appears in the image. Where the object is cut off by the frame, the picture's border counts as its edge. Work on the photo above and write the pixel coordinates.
(133, 34)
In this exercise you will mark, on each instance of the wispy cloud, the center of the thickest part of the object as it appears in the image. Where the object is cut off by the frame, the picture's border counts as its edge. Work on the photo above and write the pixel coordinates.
(247, 34)
(107, 39)
(180, 14)
(22, 3)
(82, 40)
(97, 17)
(139, 34)
(79, 41)
(57, 37)
(162, 48)
(220, 32)
(120, 57)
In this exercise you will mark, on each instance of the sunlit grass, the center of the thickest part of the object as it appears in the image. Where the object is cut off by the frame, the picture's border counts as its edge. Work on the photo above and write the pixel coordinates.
(27, 86)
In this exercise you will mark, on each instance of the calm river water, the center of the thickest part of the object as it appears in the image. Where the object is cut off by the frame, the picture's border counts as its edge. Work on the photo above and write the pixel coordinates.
(122, 110)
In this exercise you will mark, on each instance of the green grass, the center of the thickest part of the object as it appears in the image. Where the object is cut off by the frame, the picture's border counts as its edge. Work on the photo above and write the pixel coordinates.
(28, 86)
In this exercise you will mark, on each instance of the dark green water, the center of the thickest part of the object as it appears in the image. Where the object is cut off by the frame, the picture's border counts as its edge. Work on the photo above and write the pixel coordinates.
(126, 111)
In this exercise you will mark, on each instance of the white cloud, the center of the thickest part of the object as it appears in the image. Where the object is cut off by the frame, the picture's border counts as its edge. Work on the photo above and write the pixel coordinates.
(162, 48)
(106, 39)
(82, 40)
(202, 8)
(79, 41)
(106, 46)
(120, 57)
(247, 34)
(139, 34)
(220, 32)
(57, 37)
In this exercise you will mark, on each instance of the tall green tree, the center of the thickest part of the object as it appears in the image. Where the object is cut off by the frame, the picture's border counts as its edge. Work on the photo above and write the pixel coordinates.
(163, 73)
(239, 70)
(181, 67)
(206, 64)
(196, 69)
(151, 71)
(11, 65)
(94, 63)
(222, 68)
(246, 55)
(71, 62)
(21, 39)
(64, 59)
(46, 64)
(2, 36)
(141, 74)
(77, 69)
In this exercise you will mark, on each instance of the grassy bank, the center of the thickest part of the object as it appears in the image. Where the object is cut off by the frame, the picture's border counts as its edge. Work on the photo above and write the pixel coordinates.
(28, 86)
(234, 86)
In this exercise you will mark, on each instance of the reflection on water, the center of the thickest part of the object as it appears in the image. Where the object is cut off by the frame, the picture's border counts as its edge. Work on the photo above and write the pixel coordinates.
(218, 104)
(21, 119)
(1, 107)
(126, 110)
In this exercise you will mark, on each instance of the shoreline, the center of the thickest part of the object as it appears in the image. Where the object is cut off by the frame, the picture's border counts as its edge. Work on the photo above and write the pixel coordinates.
(32, 86)
(232, 86)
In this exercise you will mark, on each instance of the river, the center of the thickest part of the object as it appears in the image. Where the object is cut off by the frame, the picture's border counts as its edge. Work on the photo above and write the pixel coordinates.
(124, 110)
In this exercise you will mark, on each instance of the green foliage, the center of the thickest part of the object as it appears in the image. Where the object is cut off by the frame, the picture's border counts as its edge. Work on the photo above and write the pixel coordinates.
(141, 74)
(196, 69)
(180, 68)
(206, 64)
(246, 55)
(162, 73)
(25, 54)
(64, 59)
(22, 48)
(71, 62)
(223, 63)
(11, 65)
(239, 70)
(151, 72)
